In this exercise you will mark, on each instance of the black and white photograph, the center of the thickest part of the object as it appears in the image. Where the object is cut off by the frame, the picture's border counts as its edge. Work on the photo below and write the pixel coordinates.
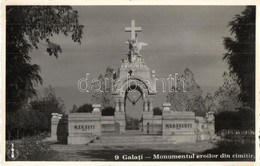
(127, 83)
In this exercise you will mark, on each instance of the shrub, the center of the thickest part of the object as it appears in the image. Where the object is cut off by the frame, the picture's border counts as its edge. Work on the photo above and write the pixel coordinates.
(157, 111)
(108, 111)
(85, 108)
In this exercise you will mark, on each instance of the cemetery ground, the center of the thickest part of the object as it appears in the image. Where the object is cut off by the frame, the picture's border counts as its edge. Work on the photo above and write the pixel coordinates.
(34, 149)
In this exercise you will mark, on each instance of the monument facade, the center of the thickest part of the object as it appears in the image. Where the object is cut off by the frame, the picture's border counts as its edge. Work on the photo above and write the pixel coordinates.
(135, 75)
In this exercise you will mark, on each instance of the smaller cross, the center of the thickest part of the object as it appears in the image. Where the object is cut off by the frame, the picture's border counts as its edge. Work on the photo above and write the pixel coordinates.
(133, 29)
(130, 72)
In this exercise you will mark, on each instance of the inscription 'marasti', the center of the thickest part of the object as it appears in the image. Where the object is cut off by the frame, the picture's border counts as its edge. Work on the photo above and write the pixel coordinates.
(178, 125)
(84, 127)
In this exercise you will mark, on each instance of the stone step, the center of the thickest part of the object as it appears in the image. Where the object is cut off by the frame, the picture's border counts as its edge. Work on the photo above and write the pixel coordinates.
(145, 139)
(130, 143)
(120, 137)
(131, 137)
(116, 140)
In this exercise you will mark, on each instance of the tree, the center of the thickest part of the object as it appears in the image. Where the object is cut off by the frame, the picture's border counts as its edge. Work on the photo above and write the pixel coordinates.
(210, 103)
(247, 118)
(243, 119)
(226, 120)
(34, 118)
(240, 53)
(187, 96)
(85, 108)
(226, 97)
(47, 105)
(105, 96)
(26, 27)
(74, 108)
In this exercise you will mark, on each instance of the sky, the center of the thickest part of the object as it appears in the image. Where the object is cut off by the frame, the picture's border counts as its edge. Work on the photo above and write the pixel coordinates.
(177, 37)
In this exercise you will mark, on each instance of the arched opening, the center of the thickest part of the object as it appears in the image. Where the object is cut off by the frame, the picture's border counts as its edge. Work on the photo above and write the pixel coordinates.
(134, 108)
(134, 105)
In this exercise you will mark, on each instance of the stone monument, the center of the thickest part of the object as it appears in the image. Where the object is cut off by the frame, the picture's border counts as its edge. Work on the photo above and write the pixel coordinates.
(134, 74)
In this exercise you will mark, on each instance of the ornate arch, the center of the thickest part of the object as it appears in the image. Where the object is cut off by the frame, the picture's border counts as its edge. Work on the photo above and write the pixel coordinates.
(133, 82)
(127, 83)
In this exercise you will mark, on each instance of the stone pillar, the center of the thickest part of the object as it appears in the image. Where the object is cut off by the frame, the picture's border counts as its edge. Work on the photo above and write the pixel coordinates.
(151, 106)
(210, 122)
(122, 107)
(166, 110)
(117, 105)
(145, 105)
(120, 116)
(147, 117)
(54, 126)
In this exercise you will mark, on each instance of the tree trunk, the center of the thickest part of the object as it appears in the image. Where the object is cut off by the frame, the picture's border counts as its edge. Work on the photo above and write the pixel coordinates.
(17, 134)
(9, 135)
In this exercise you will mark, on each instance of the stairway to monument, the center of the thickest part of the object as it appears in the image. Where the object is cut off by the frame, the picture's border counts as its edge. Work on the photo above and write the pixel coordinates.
(129, 139)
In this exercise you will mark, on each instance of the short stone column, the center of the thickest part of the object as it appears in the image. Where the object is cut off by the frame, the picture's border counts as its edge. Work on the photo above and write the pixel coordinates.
(166, 107)
(60, 116)
(122, 107)
(96, 109)
(54, 126)
(166, 110)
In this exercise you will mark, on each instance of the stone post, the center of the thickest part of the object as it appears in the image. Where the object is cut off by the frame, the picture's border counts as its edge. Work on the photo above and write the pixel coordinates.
(54, 126)
(120, 116)
(166, 110)
(96, 109)
(210, 119)
(151, 105)
(166, 107)
(122, 107)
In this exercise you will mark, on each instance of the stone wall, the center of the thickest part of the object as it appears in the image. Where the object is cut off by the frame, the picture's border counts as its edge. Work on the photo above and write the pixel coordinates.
(152, 125)
(179, 125)
(82, 128)
(109, 126)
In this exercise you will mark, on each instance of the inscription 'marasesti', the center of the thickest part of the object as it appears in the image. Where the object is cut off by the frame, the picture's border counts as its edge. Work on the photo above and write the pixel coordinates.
(84, 127)
(178, 125)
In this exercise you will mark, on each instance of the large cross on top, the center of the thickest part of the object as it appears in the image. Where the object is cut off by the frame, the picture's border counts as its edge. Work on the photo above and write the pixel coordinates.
(133, 29)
